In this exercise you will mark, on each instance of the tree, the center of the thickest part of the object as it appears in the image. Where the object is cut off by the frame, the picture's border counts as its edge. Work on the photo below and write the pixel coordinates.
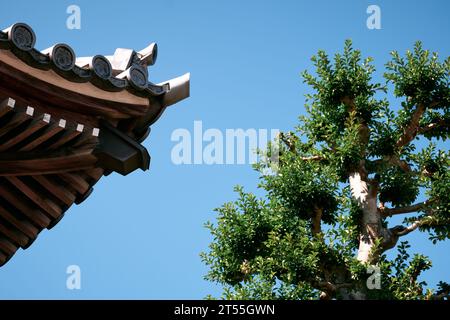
(324, 226)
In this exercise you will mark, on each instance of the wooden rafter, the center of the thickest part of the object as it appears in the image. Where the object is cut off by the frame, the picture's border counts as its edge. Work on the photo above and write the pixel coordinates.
(22, 225)
(43, 203)
(59, 191)
(49, 165)
(35, 215)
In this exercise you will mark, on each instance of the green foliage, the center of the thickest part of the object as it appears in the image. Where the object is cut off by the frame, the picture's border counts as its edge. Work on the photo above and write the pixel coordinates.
(421, 77)
(398, 188)
(262, 251)
(347, 78)
(300, 240)
(405, 283)
(438, 224)
(299, 185)
(400, 277)
(383, 136)
(434, 165)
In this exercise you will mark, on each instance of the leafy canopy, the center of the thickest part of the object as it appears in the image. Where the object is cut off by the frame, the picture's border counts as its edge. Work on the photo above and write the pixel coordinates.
(300, 240)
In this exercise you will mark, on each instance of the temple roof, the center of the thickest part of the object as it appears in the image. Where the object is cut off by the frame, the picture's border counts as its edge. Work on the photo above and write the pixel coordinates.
(65, 122)
(126, 69)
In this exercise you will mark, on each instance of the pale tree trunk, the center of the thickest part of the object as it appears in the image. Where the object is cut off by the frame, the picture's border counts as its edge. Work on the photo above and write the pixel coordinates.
(365, 196)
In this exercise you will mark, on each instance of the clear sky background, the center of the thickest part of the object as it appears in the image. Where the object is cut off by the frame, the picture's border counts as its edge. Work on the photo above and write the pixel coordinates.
(139, 237)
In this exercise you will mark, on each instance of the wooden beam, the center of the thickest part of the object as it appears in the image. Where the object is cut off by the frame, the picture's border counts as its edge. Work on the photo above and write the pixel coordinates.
(120, 153)
(35, 125)
(36, 216)
(54, 129)
(65, 139)
(15, 236)
(42, 202)
(7, 247)
(82, 160)
(86, 140)
(58, 191)
(77, 182)
(22, 225)
(16, 121)
(6, 106)
(3, 259)
(95, 174)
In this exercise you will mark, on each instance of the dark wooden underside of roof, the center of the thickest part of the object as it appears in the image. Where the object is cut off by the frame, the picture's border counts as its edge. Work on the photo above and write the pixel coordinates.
(65, 122)
(48, 163)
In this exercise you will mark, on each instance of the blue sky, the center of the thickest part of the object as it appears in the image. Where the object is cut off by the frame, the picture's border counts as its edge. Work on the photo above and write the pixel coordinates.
(139, 237)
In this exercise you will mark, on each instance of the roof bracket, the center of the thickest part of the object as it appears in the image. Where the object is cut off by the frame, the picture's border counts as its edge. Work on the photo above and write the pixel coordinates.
(118, 152)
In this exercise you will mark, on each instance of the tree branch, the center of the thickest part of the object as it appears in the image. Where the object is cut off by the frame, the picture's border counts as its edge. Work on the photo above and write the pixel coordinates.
(412, 129)
(394, 161)
(328, 289)
(312, 158)
(441, 123)
(410, 228)
(288, 141)
(403, 231)
(387, 212)
(349, 102)
(364, 131)
(401, 164)
(316, 221)
(441, 296)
